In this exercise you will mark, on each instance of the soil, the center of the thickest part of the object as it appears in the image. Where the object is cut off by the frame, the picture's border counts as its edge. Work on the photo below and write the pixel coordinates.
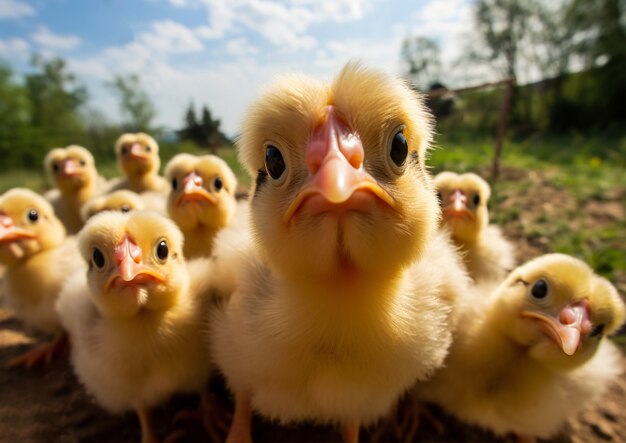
(49, 405)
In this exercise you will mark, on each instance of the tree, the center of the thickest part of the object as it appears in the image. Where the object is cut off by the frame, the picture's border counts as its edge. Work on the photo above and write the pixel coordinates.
(421, 57)
(135, 103)
(204, 133)
(14, 119)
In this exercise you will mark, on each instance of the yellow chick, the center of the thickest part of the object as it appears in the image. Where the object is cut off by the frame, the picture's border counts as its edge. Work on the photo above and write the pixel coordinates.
(202, 199)
(135, 322)
(73, 171)
(38, 258)
(138, 160)
(351, 297)
(533, 354)
(122, 200)
(487, 254)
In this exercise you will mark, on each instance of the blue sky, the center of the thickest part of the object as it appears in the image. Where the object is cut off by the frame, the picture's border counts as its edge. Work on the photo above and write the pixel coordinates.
(219, 52)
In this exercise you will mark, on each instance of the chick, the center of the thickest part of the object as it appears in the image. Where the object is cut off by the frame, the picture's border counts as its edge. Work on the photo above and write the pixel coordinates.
(73, 171)
(350, 299)
(122, 200)
(533, 354)
(202, 199)
(487, 254)
(135, 321)
(38, 257)
(138, 160)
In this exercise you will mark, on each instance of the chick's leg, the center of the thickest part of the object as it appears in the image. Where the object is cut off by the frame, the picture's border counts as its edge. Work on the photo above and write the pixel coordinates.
(350, 432)
(41, 355)
(240, 428)
(147, 430)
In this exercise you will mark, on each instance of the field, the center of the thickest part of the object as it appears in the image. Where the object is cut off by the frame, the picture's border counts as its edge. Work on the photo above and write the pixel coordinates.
(563, 194)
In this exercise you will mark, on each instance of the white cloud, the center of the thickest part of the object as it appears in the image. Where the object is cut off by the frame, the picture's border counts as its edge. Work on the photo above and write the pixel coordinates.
(10, 9)
(170, 37)
(48, 39)
(14, 48)
(240, 47)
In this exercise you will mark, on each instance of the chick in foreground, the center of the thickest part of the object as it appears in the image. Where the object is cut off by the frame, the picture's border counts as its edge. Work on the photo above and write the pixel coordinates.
(38, 258)
(138, 160)
(533, 354)
(135, 321)
(122, 200)
(487, 254)
(73, 171)
(351, 297)
(202, 199)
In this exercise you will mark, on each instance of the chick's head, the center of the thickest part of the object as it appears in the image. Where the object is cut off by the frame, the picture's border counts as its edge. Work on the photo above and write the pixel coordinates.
(70, 168)
(137, 154)
(135, 262)
(203, 191)
(558, 308)
(122, 201)
(27, 225)
(464, 204)
(341, 183)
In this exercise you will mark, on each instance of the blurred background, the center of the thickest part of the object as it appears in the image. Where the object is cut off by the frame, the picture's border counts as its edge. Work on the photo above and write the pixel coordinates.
(536, 86)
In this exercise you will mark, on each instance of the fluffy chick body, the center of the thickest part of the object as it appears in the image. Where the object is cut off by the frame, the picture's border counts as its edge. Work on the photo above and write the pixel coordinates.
(505, 375)
(201, 200)
(38, 264)
(488, 256)
(138, 160)
(134, 351)
(336, 316)
(73, 171)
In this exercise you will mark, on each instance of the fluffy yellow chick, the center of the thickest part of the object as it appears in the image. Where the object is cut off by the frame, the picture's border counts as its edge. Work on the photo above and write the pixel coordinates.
(122, 200)
(135, 322)
(38, 257)
(138, 160)
(73, 171)
(202, 199)
(351, 298)
(534, 354)
(487, 254)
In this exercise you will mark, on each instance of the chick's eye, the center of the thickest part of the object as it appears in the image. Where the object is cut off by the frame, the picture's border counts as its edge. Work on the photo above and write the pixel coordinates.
(82, 162)
(399, 149)
(98, 258)
(125, 208)
(148, 149)
(174, 183)
(439, 197)
(33, 215)
(124, 150)
(162, 250)
(274, 162)
(539, 290)
(476, 200)
(218, 184)
(56, 167)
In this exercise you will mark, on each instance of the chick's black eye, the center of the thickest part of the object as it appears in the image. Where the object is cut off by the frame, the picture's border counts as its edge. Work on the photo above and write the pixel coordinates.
(33, 215)
(218, 183)
(274, 162)
(124, 150)
(148, 149)
(174, 183)
(56, 167)
(162, 250)
(476, 200)
(399, 149)
(82, 162)
(98, 258)
(125, 208)
(539, 290)
(439, 197)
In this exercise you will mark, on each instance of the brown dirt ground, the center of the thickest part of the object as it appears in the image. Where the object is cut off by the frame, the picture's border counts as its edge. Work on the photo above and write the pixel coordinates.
(48, 405)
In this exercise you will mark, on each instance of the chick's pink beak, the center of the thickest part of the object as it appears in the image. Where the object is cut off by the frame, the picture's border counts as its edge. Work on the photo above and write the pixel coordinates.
(567, 330)
(128, 259)
(137, 150)
(69, 167)
(9, 232)
(193, 189)
(457, 206)
(334, 157)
